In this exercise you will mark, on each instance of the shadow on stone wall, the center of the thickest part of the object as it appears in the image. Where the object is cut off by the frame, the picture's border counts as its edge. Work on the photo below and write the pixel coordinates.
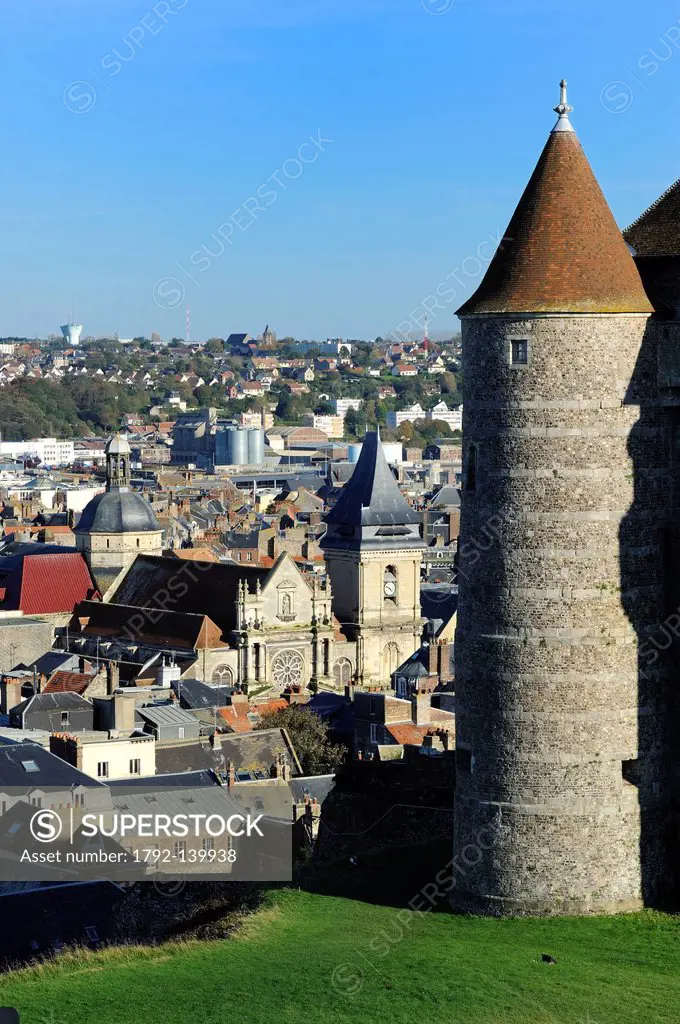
(649, 549)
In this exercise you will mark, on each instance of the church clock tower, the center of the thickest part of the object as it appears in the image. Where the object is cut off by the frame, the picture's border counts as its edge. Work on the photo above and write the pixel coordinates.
(373, 551)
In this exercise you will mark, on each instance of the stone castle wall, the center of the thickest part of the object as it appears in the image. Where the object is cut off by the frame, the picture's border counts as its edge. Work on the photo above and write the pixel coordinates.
(560, 721)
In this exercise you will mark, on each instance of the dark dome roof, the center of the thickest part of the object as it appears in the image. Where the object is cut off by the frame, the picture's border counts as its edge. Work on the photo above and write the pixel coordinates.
(118, 512)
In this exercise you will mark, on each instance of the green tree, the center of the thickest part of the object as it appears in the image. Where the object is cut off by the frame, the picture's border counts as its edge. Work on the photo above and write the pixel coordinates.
(309, 736)
(354, 422)
(362, 353)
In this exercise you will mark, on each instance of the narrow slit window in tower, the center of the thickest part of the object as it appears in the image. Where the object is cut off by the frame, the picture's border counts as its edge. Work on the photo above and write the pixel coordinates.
(519, 351)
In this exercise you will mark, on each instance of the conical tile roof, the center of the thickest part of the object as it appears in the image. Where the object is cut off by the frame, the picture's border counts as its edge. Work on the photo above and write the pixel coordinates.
(563, 251)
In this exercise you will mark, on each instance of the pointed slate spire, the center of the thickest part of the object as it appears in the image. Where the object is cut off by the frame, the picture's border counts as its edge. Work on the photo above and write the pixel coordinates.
(562, 252)
(371, 510)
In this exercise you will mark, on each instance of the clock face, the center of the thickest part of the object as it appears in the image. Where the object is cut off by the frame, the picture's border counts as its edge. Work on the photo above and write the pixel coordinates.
(390, 588)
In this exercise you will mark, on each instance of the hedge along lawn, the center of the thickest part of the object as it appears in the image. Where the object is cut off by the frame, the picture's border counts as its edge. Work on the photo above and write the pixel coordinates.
(305, 957)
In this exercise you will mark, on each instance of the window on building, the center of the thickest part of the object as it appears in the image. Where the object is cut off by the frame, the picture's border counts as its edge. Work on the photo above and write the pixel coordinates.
(103, 770)
(180, 732)
(471, 469)
(180, 850)
(373, 732)
(519, 351)
(64, 718)
(208, 844)
(91, 933)
(135, 766)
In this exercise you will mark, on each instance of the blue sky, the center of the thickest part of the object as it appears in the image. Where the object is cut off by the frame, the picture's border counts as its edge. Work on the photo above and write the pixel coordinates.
(134, 137)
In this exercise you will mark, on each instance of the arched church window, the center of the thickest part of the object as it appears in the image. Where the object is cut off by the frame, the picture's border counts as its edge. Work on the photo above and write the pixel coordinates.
(223, 675)
(342, 672)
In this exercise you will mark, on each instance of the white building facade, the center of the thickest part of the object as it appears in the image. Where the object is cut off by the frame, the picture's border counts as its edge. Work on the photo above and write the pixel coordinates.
(454, 417)
(411, 413)
(50, 450)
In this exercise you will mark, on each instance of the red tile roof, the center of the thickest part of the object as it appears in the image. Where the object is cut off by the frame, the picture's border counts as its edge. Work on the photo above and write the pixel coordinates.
(406, 732)
(71, 682)
(409, 733)
(54, 583)
(236, 715)
(563, 251)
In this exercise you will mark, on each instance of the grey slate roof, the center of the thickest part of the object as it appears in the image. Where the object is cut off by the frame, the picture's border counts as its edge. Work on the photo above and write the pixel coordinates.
(371, 512)
(415, 666)
(446, 495)
(48, 702)
(438, 602)
(316, 787)
(258, 750)
(185, 780)
(211, 588)
(166, 714)
(51, 770)
(175, 758)
(52, 661)
(372, 496)
(195, 694)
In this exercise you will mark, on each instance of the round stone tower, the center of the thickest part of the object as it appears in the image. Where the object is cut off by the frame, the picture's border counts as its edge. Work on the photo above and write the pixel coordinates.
(564, 472)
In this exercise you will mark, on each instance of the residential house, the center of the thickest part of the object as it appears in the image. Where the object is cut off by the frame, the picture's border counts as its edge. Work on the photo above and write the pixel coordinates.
(103, 756)
(54, 712)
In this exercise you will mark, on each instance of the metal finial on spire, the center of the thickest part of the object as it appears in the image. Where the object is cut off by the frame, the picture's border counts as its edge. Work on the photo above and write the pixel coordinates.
(564, 110)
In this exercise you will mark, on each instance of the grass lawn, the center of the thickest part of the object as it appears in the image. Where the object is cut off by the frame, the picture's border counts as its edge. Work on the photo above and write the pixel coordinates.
(309, 957)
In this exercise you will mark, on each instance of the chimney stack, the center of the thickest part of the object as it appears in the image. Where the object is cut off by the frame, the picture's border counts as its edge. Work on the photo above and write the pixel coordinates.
(10, 694)
(421, 708)
(112, 677)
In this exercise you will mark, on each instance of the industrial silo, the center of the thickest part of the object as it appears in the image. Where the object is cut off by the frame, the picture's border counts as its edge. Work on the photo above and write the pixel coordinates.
(238, 447)
(255, 446)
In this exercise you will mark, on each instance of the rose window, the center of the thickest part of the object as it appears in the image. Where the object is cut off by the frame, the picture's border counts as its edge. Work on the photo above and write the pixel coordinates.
(288, 668)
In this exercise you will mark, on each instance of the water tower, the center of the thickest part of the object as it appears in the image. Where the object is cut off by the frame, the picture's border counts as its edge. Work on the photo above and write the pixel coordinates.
(72, 333)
